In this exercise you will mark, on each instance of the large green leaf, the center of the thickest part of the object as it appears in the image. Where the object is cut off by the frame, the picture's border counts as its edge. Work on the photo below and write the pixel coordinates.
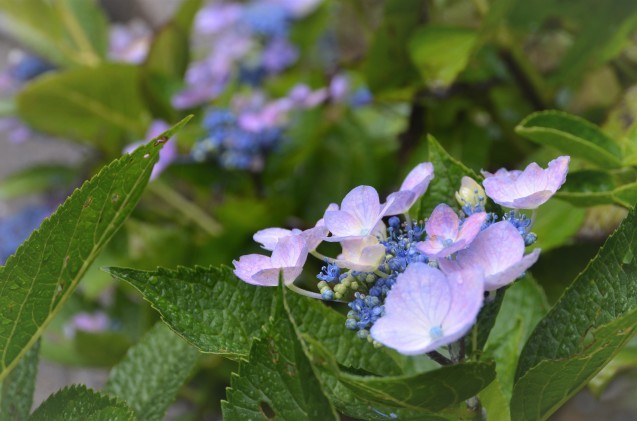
(150, 376)
(45, 270)
(523, 306)
(75, 34)
(17, 388)
(552, 229)
(96, 105)
(440, 53)
(315, 319)
(583, 331)
(209, 307)
(571, 135)
(593, 187)
(278, 381)
(77, 403)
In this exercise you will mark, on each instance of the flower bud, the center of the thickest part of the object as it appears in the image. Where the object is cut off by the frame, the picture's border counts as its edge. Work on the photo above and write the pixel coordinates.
(471, 193)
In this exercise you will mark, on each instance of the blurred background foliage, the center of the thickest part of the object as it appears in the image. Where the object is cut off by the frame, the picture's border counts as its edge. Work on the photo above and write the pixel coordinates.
(295, 103)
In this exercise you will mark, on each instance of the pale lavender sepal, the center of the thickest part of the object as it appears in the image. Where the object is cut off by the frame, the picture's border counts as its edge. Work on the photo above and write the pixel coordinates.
(247, 266)
(358, 217)
(416, 183)
(364, 254)
(287, 261)
(526, 189)
(290, 252)
(445, 235)
(269, 237)
(425, 300)
(499, 252)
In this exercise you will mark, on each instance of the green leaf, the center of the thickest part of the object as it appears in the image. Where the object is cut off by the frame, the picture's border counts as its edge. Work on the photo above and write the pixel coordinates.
(209, 307)
(523, 306)
(97, 105)
(571, 135)
(625, 360)
(36, 180)
(75, 34)
(552, 229)
(150, 376)
(448, 173)
(314, 318)
(40, 277)
(592, 187)
(401, 397)
(583, 331)
(278, 382)
(441, 53)
(77, 403)
(388, 67)
(17, 388)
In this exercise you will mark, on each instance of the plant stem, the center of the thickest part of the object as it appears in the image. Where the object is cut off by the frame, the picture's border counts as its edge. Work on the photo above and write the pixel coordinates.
(302, 291)
(439, 358)
(188, 209)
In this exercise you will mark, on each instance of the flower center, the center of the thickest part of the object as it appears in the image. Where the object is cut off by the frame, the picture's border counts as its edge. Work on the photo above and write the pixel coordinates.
(435, 332)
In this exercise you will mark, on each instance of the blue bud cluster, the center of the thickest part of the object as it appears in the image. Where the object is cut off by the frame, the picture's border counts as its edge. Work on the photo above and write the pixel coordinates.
(267, 20)
(233, 146)
(16, 227)
(366, 289)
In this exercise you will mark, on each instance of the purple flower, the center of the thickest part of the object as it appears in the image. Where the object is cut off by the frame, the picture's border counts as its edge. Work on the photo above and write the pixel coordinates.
(526, 189)
(288, 258)
(427, 309)
(87, 322)
(445, 234)
(498, 252)
(215, 17)
(130, 43)
(415, 185)
(278, 55)
(359, 216)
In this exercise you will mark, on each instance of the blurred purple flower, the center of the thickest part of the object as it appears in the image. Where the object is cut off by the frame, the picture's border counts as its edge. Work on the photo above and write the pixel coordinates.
(130, 43)
(87, 322)
(278, 55)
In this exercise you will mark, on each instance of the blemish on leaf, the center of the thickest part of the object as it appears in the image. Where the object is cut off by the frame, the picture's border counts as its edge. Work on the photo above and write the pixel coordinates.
(66, 261)
(267, 410)
(147, 156)
(628, 256)
(160, 141)
(88, 202)
(115, 197)
(291, 370)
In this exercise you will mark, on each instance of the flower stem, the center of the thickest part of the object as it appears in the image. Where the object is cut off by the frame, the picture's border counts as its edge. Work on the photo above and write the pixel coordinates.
(439, 358)
(322, 257)
(301, 291)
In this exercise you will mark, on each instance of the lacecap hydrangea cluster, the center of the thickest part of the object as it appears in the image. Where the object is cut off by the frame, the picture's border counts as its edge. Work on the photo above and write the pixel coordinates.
(414, 285)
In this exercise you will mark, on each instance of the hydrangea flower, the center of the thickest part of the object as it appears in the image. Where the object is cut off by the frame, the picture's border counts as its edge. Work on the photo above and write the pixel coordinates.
(498, 252)
(288, 258)
(427, 309)
(360, 215)
(526, 189)
(15, 228)
(415, 185)
(446, 235)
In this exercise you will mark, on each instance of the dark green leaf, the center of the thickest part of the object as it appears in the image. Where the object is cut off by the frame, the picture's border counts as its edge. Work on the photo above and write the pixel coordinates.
(77, 403)
(95, 105)
(447, 176)
(209, 307)
(389, 67)
(278, 381)
(315, 319)
(150, 376)
(591, 187)
(17, 388)
(441, 53)
(583, 331)
(45, 270)
(552, 229)
(571, 135)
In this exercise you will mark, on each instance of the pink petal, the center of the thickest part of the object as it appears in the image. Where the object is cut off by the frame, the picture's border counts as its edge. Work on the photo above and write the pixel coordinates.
(418, 179)
(557, 170)
(290, 252)
(513, 272)
(314, 236)
(471, 227)
(444, 222)
(249, 265)
(364, 254)
(363, 203)
(399, 202)
(341, 224)
(270, 277)
(269, 237)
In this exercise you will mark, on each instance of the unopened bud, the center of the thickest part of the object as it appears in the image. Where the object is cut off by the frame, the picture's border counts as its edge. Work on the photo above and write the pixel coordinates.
(470, 193)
